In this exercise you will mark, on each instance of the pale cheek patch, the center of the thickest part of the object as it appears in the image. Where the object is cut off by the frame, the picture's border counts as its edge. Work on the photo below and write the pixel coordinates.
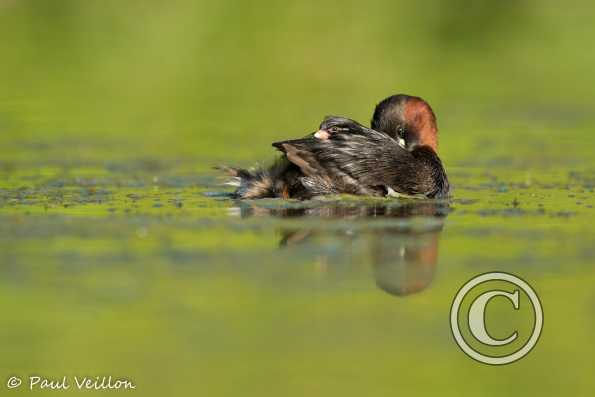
(322, 134)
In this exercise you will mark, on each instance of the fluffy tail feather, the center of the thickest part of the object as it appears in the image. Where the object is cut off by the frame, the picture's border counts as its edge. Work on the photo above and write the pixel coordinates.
(250, 184)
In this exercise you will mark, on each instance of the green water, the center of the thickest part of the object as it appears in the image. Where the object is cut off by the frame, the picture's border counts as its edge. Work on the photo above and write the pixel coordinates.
(120, 256)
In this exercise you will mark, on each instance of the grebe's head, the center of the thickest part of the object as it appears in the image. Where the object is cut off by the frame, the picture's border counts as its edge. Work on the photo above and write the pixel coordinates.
(408, 119)
(335, 124)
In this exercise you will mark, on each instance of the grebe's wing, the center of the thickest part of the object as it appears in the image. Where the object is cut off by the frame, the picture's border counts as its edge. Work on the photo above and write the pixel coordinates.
(371, 164)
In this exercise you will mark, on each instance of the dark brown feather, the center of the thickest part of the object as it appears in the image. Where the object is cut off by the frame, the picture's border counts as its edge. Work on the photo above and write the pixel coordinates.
(367, 164)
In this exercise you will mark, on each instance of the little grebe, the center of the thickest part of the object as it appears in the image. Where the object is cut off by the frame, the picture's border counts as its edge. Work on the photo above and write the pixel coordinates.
(397, 157)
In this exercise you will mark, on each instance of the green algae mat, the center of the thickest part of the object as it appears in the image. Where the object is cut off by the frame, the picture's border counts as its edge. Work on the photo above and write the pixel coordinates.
(122, 256)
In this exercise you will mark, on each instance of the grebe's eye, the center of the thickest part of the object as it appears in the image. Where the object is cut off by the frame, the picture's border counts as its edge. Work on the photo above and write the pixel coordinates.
(401, 138)
(333, 129)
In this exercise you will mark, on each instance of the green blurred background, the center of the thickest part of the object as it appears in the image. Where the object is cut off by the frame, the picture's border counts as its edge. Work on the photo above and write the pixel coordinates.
(189, 79)
(113, 261)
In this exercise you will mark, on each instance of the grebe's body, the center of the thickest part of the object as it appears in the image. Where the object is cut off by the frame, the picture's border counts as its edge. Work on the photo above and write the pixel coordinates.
(396, 157)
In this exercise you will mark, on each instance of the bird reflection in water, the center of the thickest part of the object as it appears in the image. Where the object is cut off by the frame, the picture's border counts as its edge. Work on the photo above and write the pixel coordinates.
(401, 238)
